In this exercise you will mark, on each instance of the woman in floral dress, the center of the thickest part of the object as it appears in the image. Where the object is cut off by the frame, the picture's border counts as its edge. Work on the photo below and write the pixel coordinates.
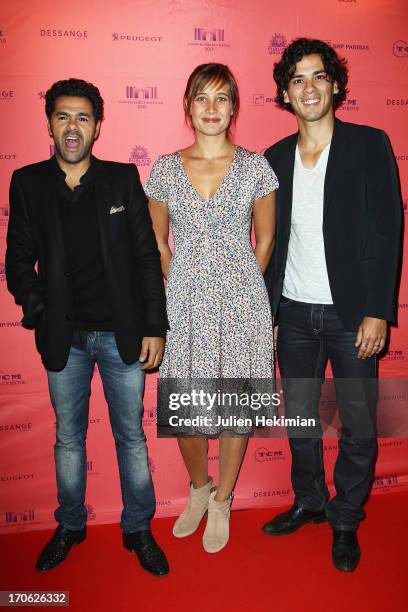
(218, 308)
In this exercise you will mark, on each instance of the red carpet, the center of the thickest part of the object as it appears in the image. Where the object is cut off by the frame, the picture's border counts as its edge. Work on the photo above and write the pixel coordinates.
(254, 572)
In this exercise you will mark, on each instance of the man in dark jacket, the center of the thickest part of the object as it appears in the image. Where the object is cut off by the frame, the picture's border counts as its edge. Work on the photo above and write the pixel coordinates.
(96, 296)
(332, 283)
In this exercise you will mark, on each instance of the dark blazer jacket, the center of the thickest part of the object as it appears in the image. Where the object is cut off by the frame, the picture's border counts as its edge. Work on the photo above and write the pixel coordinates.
(130, 255)
(362, 220)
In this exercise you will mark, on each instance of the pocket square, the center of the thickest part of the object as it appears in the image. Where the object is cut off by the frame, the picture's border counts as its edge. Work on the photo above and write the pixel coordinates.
(116, 209)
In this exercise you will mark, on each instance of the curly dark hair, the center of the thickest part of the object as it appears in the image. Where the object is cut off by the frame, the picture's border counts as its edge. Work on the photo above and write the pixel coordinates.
(77, 88)
(335, 67)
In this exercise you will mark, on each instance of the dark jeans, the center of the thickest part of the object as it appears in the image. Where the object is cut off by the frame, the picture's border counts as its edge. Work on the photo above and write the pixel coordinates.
(309, 335)
(123, 386)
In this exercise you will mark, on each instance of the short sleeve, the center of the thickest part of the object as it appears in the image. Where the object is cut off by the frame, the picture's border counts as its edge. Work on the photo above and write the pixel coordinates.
(266, 180)
(157, 184)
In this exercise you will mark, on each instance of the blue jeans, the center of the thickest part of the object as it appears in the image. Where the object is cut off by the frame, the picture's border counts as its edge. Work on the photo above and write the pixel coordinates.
(309, 335)
(123, 387)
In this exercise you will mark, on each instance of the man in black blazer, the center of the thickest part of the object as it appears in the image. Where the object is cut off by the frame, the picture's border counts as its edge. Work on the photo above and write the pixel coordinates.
(332, 283)
(96, 296)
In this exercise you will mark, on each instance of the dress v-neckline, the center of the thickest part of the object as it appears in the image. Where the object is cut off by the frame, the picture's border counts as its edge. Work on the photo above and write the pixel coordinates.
(198, 194)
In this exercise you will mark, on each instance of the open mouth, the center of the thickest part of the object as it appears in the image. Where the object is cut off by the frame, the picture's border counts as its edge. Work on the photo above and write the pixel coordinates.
(72, 142)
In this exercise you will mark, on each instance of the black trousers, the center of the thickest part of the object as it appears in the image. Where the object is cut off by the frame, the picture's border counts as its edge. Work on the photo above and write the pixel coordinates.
(309, 335)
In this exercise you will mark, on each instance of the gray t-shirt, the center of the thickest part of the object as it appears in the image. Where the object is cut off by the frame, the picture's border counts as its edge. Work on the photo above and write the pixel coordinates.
(306, 278)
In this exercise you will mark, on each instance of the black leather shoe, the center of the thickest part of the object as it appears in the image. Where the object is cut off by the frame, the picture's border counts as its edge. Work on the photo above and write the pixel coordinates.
(345, 551)
(57, 549)
(287, 522)
(151, 556)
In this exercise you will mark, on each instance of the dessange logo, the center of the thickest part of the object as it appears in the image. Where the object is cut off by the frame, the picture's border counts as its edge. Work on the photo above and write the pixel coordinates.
(62, 33)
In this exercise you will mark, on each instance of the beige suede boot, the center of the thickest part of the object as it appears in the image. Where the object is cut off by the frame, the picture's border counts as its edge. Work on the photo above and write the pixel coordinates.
(216, 533)
(197, 505)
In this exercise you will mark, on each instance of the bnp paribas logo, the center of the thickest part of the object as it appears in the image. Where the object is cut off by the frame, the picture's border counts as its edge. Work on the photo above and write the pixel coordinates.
(277, 44)
(139, 156)
(210, 38)
(141, 95)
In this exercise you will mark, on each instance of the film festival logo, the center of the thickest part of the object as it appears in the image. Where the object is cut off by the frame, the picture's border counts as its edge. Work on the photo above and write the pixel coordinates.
(2, 271)
(70, 34)
(139, 156)
(264, 454)
(209, 39)
(142, 97)
(149, 415)
(385, 482)
(119, 37)
(14, 518)
(277, 44)
(90, 468)
(4, 216)
(400, 48)
(90, 512)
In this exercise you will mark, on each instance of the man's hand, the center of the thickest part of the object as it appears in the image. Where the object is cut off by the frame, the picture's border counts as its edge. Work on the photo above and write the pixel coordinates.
(152, 352)
(371, 337)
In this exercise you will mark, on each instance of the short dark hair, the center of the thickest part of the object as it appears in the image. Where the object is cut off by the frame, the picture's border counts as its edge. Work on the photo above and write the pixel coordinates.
(202, 76)
(335, 67)
(77, 88)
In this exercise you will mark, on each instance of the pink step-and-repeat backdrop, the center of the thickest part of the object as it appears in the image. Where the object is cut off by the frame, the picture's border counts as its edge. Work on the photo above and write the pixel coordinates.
(140, 53)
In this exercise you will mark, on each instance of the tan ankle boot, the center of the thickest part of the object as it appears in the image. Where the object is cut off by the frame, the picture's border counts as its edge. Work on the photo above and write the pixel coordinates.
(216, 533)
(197, 505)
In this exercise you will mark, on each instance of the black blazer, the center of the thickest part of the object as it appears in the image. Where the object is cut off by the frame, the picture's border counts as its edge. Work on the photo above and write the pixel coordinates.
(130, 257)
(362, 220)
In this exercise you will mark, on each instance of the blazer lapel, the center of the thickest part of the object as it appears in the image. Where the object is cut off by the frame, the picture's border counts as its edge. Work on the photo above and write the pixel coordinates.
(53, 216)
(286, 184)
(102, 197)
(337, 156)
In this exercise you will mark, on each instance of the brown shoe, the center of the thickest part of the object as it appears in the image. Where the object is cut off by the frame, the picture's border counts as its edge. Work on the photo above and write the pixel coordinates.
(189, 520)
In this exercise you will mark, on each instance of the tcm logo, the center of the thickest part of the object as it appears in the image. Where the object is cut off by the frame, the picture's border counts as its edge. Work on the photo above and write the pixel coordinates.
(141, 93)
(90, 512)
(209, 35)
(134, 38)
(395, 355)
(261, 99)
(400, 48)
(140, 156)
(277, 44)
(72, 34)
(6, 94)
(19, 517)
(350, 104)
(264, 454)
